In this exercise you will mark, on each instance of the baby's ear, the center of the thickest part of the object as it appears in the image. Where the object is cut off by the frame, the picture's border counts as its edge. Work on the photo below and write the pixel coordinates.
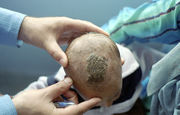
(122, 61)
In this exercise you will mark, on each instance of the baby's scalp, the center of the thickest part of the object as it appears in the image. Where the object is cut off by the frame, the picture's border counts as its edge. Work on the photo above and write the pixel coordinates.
(93, 58)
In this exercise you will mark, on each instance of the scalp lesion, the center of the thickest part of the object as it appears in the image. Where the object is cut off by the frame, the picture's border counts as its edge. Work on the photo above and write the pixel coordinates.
(96, 68)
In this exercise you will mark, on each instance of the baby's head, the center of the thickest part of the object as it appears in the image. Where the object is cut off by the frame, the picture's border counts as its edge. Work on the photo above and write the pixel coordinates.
(94, 64)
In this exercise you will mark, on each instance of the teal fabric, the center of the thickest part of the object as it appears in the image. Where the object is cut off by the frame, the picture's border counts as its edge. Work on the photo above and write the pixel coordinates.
(10, 23)
(157, 21)
(6, 106)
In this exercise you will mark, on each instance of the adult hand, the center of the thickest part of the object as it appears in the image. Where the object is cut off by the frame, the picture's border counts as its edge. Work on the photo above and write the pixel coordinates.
(49, 33)
(40, 102)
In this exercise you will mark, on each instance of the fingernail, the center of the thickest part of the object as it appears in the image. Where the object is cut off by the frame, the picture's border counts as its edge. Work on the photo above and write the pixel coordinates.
(68, 80)
(62, 62)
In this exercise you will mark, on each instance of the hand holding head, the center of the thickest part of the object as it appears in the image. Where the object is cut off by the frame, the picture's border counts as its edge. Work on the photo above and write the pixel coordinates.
(35, 102)
(49, 33)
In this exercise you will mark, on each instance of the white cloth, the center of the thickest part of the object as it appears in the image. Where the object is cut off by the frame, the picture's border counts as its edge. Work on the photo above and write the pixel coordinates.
(147, 54)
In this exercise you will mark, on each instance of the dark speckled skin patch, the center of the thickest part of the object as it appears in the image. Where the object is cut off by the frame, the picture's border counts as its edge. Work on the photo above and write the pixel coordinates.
(96, 68)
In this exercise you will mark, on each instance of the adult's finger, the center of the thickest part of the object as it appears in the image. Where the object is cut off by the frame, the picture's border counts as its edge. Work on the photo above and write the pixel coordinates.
(56, 52)
(89, 27)
(59, 88)
(84, 106)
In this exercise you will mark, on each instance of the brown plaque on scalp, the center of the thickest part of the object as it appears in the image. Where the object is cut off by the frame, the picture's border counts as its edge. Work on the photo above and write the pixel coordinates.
(96, 68)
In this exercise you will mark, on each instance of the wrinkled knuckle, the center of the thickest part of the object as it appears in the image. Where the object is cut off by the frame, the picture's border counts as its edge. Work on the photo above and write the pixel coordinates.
(54, 54)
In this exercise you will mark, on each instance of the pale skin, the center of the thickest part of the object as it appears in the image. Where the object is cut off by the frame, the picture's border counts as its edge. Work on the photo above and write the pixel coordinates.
(96, 45)
(40, 102)
(48, 34)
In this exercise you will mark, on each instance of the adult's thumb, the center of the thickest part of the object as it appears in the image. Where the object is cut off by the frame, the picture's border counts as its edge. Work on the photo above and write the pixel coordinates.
(56, 52)
(59, 88)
